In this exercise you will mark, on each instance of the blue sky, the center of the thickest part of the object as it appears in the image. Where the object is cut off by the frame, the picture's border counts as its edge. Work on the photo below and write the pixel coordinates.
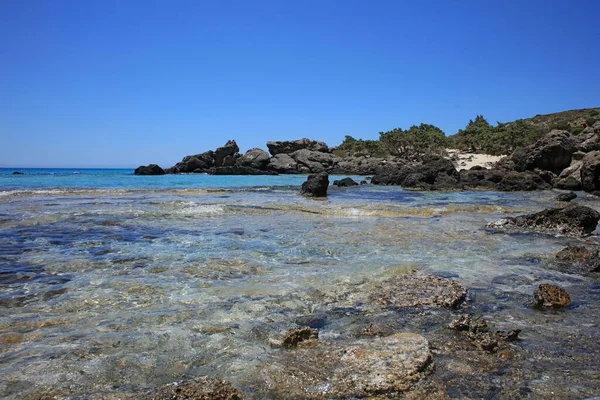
(122, 83)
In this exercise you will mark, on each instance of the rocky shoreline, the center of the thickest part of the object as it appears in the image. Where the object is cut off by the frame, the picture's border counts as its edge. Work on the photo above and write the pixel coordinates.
(558, 160)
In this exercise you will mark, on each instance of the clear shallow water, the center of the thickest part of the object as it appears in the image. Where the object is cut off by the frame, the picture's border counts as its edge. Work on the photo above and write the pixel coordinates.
(111, 283)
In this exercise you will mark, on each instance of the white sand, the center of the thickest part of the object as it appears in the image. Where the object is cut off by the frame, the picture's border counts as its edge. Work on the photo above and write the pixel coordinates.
(468, 160)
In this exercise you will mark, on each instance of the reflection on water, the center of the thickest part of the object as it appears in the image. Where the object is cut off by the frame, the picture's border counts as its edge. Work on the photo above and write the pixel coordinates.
(110, 291)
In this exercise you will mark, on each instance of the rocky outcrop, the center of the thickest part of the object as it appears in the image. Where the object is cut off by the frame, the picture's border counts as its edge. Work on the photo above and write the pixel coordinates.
(551, 296)
(238, 170)
(502, 180)
(308, 161)
(434, 173)
(551, 153)
(226, 156)
(364, 165)
(283, 164)
(151, 169)
(199, 163)
(288, 147)
(573, 220)
(316, 185)
(254, 158)
(346, 182)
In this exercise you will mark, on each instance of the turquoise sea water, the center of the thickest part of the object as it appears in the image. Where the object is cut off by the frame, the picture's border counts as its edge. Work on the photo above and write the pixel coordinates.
(112, 283)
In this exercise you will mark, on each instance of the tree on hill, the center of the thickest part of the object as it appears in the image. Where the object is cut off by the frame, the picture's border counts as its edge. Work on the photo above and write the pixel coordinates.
(416, 139)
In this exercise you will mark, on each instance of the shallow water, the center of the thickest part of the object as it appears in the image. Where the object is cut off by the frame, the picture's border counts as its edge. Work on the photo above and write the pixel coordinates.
(107, 290)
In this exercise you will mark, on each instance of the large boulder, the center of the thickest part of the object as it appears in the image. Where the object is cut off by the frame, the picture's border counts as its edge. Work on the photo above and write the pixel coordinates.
(435, 173)
(283, 164)
(254, 158)
(230, 149)
(309, 161)
(590, 171)
(550, 153)
(288, 147)
(238, 170)
(547, 295)
(151, 169)
(573, 220)
(570, 177)
(316, 185)
(346, 182)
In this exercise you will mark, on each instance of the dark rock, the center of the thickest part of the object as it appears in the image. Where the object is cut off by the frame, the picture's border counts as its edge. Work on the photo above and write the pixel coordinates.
(18, 173)
(364, 165)
(238, 170)
(434, 173)
(550, 153)
(283, 164)
(316, 185)
(346, 182)
(391, 176)
(551, 296)
(590, 171)
(478, 333)
(573, 220)
(566, 197)
(287, 147)
(203, 388)
(230, 149)
(254, 158)
(293, 337)
(151, 169)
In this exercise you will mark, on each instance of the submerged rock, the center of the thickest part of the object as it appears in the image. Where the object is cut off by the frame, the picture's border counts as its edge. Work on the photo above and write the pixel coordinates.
(547, 295)
(18, 173)
(478, 333)
(362, 368)
(203, 388)
(295, 336)
(573, 220)
(316, 185)
(151, 169)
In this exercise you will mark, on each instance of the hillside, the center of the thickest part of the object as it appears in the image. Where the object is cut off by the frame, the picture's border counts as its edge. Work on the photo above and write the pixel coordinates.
(575, 118)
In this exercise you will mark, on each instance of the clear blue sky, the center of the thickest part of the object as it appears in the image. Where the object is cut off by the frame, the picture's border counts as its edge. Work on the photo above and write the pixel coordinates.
(123, 83)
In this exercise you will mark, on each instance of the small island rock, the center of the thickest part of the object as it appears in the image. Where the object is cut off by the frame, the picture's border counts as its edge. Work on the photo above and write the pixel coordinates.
(151, 169)
(316, 185)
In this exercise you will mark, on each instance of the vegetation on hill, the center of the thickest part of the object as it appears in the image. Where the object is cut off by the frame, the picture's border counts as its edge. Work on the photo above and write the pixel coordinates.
(478, 135)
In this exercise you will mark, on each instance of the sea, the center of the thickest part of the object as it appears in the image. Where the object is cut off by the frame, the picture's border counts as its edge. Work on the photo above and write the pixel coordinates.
(112, 284)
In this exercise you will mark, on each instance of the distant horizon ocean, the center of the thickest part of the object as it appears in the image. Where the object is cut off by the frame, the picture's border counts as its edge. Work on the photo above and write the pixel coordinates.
(112, 284)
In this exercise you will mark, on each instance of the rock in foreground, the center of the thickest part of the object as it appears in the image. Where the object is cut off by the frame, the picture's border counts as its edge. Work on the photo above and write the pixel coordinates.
(551, 296)
(204, 388)
(316, 185)
(574, 220)
(151, 169)
(367, 367)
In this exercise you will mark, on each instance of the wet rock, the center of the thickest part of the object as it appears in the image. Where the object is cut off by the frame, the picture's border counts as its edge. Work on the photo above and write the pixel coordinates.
(230, 149)
(346, 182)
(203, 388)
(419, 290)
(547, 295)
(384, 366)
(502, 180)
(254, 158)
(566, 197)
(288, 147)
(18, 173)
(478, 333)
(293, 337)
(316, 185)
(576, 253)
(550, 153)
(151, 169)
(572, 220)
(590, 171)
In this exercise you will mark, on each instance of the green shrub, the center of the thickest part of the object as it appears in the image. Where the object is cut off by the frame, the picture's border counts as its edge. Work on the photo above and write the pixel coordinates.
(590, 121)
(561, 125)
(340, 153)
(577, 130)
(593, 113)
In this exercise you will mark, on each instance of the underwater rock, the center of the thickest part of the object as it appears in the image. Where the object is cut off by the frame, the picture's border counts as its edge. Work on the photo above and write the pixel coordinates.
(547, 295)
(151, 169)
(363, 368)
(18, 173)
(566, 196)
(574, 220)
(316, 185)
(419, 290)
(203, 388)
(293, 337)
(346, 182)
(478, 333)
(580, 258)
